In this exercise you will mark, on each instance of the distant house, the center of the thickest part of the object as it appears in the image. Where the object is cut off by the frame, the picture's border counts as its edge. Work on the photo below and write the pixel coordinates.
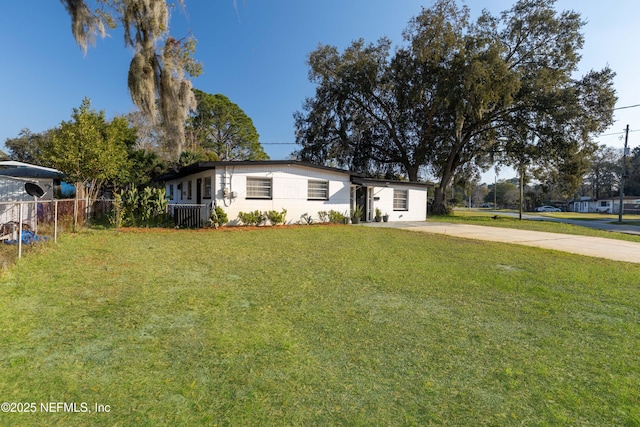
(14, 176)
(14, 179)
(303, 189)
(607, 205)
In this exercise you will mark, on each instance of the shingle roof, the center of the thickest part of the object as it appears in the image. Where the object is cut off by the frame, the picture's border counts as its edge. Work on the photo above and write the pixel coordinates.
(204, 166)
(357, 178)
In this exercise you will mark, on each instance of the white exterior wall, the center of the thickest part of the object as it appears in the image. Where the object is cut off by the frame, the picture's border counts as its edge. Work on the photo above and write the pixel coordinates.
(416, 204)
(10, 212)
(289, 186)
(289, 190)
(180, 196)
(606, 207)
(14, 197)
(12, 189)
(582, 206)
(596, 206)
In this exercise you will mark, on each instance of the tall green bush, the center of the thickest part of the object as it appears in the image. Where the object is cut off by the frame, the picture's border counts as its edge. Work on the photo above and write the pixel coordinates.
(146, 208)
(130, 200)
(117, 214)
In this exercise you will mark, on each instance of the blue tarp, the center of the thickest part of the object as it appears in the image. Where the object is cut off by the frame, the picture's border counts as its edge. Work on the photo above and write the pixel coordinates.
(28, 237)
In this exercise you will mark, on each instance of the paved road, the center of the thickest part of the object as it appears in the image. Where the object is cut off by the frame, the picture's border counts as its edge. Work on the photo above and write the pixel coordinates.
(598, 224)
(617, 250)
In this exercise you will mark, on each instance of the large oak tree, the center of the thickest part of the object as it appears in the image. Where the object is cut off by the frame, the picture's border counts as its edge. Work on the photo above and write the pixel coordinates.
(456, 94)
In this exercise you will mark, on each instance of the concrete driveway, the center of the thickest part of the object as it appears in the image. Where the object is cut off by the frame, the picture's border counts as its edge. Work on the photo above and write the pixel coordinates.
(617, 250)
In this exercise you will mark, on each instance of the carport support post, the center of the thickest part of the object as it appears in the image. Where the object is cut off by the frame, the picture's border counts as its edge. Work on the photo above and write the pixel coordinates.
(20, 232)
(35, 219)
(55, 220)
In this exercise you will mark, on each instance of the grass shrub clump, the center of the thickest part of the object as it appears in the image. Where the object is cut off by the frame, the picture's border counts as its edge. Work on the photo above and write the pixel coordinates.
(258, 218)
(252, 218)
(331, 217)
(318, 326)
(276, 217)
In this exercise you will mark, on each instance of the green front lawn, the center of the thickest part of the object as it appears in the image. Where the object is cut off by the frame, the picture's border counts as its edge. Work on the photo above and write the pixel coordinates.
(318, 325)
(587, 216)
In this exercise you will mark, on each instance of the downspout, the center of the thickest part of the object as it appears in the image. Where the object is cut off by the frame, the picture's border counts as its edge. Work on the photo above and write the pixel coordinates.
(224, 186)
(227, 182)
(214, 201)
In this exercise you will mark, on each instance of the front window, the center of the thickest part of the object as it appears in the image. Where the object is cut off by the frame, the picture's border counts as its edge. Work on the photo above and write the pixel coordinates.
(400, 200)
(258, 188)
(207, 187)
(318, 190)
(171, 191)
(189, 189)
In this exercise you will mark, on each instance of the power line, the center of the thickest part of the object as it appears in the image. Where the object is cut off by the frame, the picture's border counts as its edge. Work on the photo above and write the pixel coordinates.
(628, 106)
(617, 133)
(627, 131)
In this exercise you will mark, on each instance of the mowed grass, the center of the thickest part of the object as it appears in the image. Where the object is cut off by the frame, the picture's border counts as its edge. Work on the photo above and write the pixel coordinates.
(589, 216)
(579, 216)
(318, 325)
(492, 219)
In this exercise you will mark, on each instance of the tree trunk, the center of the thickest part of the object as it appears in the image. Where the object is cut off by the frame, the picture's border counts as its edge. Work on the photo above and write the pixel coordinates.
(80, 190)
(439, 205)
(439, 201)
(412, 172)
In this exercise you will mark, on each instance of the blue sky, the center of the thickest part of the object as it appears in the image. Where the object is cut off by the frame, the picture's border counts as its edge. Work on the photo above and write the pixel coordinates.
(255, 53)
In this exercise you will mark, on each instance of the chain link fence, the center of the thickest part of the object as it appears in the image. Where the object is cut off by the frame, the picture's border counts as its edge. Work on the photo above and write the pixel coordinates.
(25, 224)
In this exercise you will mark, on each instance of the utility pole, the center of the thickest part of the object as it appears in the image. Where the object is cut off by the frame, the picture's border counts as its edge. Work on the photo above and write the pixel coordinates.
(521, 190)
(624, 172)
(495, 191)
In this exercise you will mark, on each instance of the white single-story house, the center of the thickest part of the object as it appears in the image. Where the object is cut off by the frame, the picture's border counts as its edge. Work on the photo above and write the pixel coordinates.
(303, 189)
(607, 205)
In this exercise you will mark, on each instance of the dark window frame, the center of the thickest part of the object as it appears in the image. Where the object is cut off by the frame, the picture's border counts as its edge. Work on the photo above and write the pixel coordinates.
(401, 196)
(317, 181)
(255, 196)
(206, 195)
